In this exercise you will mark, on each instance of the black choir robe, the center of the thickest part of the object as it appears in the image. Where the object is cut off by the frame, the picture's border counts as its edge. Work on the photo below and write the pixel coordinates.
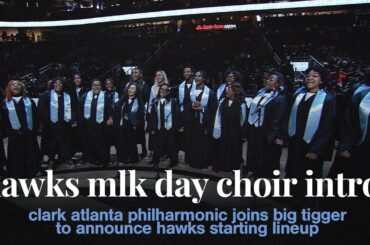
(2, 152)
(77, 132)
(24, 159)
(263, 155)
(45, 135)
(151, 141)
(228, 149)
(201, 142)
(187, 118)
(111, 135)
(95, 148)
(321, 144)
(130, 130)
(58, 135)
(164, 140)
(358, 164)
(143, 92)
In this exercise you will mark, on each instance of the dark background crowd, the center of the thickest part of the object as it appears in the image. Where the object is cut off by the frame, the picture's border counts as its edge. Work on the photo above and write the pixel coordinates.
(338, 42)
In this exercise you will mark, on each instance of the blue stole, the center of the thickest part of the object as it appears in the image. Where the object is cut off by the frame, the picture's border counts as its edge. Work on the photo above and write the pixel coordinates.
(243, 113)
(167, 114)
(364, 111)
(217, 125)
(134, 108)
(99, 106)
(299, 90)
(363, 87)
(115, 97)
(314, 115)
(182, 93)
(153, 94)
(220, 90)
(257, 107)
(77, 93)
(13, 117)
(248, 101)
(54, 107)
(204, 101)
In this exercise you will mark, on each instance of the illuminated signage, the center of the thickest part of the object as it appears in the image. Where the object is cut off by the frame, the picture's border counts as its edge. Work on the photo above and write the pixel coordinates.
(215, 27)
(185, 12)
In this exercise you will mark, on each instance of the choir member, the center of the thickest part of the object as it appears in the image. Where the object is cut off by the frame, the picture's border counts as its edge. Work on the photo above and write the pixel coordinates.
(2, 152)
(143, 93)
(186, 96)
(110, 90)
(229, 127)
(57, 112)
(77, 132)
(231, 77)
(164, 123)
(265, 128)
(129, 119)
(20, 124)
(96, 117)
(112, 94)
(364, 85)
(201, 127)
(159, 79)
(310, 127)
(79, 89)
(45, 134)
(354, 143)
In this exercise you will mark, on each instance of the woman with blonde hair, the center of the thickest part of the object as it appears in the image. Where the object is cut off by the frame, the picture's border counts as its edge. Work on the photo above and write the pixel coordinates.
(20, 123)
(159, 79)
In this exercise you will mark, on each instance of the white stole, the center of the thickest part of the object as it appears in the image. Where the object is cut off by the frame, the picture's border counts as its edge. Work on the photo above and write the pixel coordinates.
(13, 116)
(54, 107)
(167, 114)
(314, 115)
(204, 100)
(257, 108)
(220, 90)
(134, 108)
(99, 106)
(182, 93)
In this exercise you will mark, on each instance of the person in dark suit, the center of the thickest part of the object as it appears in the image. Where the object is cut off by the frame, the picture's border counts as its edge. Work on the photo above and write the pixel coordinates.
(113, 95)
(78, 90)
(186, 96)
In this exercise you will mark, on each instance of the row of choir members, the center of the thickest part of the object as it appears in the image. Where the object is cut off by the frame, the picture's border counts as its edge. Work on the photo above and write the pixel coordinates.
(208, 126)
